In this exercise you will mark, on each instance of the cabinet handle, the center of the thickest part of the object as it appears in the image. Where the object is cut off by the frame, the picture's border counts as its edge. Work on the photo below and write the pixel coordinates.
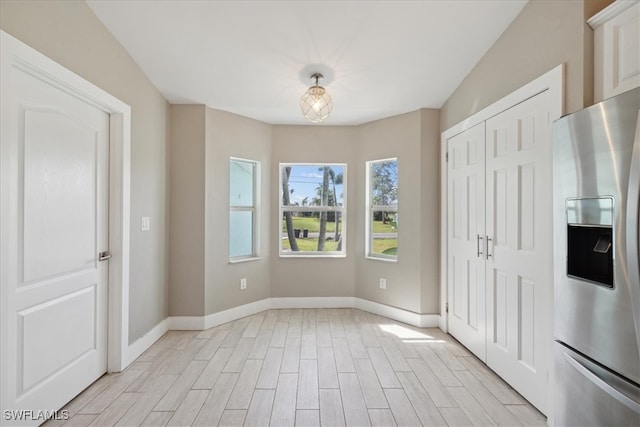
(479, 244)
(489, 241)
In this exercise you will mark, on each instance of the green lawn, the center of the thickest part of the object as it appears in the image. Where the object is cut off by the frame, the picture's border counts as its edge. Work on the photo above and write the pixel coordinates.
(390, 251)
(379, 227)
(385, 246)
(380, 246)
(311, 224)
(310, 245)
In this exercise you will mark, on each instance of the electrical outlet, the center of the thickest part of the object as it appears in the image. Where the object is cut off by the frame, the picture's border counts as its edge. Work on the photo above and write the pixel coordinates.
(243, 284)
(383, 283)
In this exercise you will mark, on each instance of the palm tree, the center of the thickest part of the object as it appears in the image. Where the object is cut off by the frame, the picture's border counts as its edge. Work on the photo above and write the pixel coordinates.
(325, 200)
(336, 179)
(286, 201)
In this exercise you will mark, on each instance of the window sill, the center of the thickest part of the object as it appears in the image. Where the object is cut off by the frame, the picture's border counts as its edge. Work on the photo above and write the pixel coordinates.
(241, 260)
(311, 255)
(376, 258)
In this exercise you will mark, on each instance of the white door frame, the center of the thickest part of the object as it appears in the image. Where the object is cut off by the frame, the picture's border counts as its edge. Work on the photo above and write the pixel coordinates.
(553, 81)
(14, 53)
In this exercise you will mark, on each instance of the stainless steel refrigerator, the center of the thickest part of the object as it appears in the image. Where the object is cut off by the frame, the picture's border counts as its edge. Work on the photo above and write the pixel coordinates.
(596, 271)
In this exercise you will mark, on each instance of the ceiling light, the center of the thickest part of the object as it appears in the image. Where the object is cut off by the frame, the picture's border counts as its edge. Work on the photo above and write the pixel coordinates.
(316, 104)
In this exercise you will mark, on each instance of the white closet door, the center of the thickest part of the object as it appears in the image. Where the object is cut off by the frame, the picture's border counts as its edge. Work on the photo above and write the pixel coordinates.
(466, 211)
(518, 269)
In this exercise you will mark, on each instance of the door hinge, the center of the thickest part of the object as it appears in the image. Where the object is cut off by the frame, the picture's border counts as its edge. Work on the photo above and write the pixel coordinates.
(446, 308)
(446, 157)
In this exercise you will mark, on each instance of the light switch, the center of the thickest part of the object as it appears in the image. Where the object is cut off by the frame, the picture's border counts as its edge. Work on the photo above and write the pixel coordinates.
(146, 223)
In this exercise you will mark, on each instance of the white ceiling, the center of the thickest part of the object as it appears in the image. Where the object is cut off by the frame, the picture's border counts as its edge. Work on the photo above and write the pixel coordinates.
(255, 58)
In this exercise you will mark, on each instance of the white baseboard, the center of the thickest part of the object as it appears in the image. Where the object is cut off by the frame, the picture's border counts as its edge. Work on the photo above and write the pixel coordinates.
(140, 345)
(235, 313)
(409, 317)
(313, 302)
(186, 323)
(197, 323)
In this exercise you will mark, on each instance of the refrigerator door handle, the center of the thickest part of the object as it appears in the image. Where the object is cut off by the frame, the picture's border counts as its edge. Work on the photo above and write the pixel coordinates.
(633, 232)
(619, 395)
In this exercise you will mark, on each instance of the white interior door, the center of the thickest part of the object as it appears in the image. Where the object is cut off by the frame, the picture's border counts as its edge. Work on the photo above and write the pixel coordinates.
(466, 233)
(54, 207)
(519, 261)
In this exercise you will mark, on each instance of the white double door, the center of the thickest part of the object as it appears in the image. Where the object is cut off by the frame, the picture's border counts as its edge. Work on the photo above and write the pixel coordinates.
(54, 215)
(499, 244)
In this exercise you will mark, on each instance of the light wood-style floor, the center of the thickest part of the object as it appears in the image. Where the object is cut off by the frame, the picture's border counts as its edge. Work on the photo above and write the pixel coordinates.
(308, 367)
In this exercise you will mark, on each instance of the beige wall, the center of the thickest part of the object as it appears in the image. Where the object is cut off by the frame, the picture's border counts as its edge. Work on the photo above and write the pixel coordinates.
(544, 35)
(413, 281)
(70, 34)
(230, 135)
(202, 281)
(317, 277)
(187, 210)
(399, 137)
(430, 214)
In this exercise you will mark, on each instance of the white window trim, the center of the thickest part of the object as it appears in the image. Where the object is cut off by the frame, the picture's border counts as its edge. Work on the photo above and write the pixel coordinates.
(342, 209)
(369, 215)
(255, 255)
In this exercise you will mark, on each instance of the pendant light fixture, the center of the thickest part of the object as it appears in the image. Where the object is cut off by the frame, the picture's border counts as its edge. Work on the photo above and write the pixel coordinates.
(316, 104)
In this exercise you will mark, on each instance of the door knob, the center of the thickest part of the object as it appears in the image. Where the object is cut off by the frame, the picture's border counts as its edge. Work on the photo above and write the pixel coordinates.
(103, 256)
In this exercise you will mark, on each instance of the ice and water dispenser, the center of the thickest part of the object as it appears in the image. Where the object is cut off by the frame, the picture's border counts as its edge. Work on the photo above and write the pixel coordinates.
(590, 240)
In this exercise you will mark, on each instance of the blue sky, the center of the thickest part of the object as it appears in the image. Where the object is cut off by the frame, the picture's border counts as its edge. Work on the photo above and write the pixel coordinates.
(304, 180)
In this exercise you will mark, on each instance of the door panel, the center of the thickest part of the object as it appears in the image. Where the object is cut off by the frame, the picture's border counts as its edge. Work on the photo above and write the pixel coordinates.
(466, 222)
(526, 211)
(527, 322)
(60, 169)
(519, 262)
(39, 335)
(55, 196)
(501, 207)
(500, 314)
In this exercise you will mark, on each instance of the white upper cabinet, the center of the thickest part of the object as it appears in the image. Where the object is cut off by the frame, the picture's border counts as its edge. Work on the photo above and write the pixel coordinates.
(617, 48)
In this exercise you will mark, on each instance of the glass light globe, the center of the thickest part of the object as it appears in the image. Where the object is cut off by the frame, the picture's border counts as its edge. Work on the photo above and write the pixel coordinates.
(316, 104)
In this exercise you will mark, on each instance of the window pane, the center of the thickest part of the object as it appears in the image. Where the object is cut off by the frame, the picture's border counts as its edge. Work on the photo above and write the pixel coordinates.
(382, 233)
(241, 183)
(384, 183)
(306, 231)
(312, 185)
(240, 233)
(384, 238)
(312, 200)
